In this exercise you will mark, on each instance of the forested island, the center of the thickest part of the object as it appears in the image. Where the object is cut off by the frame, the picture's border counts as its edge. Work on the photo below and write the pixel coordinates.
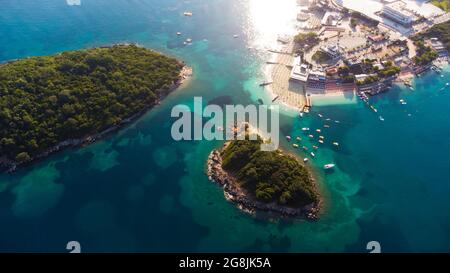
(72, 98)
(264, 181)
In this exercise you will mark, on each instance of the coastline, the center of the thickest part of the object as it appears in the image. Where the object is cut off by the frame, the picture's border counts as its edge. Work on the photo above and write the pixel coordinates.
(236, 194)
(11, 166)
(274, 69)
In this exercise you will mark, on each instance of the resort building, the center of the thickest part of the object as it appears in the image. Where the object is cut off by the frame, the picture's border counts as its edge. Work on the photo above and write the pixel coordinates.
(397, 12)
(332, 50)
(299, 71)
(438, 46)
(330, 19)
(316, 81)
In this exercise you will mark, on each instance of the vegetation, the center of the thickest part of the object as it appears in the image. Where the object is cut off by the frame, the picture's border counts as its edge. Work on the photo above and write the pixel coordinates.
(46, 100)
(321, 57)
(344, 74)
(353, 22)
(368, 80)
(425, 54)
(440, 31)
(443, 4)
(388, 70)
(306, 40)
(362, 17)
(269, 176)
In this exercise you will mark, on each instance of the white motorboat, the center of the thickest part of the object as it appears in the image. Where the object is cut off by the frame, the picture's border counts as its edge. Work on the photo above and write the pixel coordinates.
(328, 166)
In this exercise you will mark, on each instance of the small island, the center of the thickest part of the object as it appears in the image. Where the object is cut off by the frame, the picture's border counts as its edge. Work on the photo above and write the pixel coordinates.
(260, 181)
(73, 98)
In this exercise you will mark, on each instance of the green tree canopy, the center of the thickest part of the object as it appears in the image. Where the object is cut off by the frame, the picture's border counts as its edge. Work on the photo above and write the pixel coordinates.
(269, 176)
(46, 100)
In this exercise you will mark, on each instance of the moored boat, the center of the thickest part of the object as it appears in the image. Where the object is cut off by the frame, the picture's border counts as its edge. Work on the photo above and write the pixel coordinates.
(328, 166)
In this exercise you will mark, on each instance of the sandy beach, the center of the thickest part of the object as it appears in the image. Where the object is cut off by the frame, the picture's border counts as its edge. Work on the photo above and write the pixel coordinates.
(278, 72)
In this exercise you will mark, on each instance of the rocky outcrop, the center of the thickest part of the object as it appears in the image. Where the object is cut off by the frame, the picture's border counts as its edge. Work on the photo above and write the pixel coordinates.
(236, 194)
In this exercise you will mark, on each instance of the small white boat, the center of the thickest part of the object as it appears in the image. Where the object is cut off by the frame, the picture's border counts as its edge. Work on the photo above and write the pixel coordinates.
(321, 137)
(381, 118)
(318, 130)
(300, 114)
(299, 139)
(305, 148)
(313, 154)
(321, 141)
(178, 33)
(315, 147)
(187, 13)
(288, 138)
(326, 126)
(328, 166)
(311, 136)
(320, 115)
(336, 144)
(305, 160)
(295, 145)
(235, 36)
(305, 129)
(336, 121)
(189, 40)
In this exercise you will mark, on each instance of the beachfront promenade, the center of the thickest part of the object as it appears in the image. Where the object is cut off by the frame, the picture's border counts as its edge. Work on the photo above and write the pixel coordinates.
(288, 92)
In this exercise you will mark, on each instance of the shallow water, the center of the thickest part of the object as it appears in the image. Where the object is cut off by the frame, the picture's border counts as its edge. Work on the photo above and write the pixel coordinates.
(140, 191)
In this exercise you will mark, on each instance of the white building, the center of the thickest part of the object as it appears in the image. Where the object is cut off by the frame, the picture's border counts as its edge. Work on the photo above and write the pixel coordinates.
(397, 12)
(299, 71)
(330, 19)
(332, 50)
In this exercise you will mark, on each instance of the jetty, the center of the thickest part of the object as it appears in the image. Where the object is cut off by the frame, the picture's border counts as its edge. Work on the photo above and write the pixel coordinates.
(265, 83)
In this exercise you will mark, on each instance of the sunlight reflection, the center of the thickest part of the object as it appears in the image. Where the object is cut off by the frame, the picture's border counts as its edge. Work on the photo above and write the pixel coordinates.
(268, 19)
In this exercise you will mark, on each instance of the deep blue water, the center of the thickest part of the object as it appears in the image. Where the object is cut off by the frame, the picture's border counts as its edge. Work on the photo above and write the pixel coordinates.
(138, 190)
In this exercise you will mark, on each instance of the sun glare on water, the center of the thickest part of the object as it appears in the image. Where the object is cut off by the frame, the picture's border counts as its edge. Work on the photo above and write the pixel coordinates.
(269, 18)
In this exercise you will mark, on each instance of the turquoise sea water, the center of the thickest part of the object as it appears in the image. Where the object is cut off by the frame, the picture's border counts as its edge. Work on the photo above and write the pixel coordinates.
(140, 191)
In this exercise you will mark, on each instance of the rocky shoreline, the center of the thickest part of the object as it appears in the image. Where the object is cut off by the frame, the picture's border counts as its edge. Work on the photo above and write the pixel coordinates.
(234, 193)
(10, 166)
